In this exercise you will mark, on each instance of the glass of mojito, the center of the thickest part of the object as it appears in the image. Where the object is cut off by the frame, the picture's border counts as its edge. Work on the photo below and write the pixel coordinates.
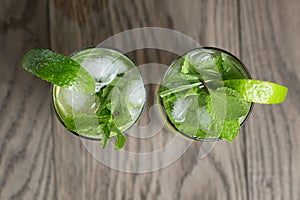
(115, 105)
(207, 94)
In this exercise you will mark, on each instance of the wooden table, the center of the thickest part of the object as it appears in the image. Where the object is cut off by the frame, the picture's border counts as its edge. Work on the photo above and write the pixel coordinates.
(37, 162)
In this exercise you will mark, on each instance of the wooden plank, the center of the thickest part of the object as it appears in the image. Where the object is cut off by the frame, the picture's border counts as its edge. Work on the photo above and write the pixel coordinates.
(26, 140)
(221, 175)
(270, 45)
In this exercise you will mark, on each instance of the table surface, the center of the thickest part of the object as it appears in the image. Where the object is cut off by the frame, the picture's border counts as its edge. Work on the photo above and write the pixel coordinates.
(37, 161)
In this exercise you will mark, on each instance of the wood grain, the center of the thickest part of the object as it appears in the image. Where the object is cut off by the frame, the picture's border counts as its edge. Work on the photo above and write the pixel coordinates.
(270, 49)
(26, 140)
(79, 175)
(39, 159)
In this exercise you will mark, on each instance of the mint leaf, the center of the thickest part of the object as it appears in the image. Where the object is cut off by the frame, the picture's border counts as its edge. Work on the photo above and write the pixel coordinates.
(105, 135)
(216, 106)
(59, 70)
(226, 103)
(230, 130)
(105, 101)
(226, 106)
(104, 141)
(108, 130)
(121, 114)
(121, 140)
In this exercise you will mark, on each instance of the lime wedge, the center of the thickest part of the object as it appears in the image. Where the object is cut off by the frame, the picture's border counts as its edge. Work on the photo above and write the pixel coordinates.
(59, 70)
(258, 91)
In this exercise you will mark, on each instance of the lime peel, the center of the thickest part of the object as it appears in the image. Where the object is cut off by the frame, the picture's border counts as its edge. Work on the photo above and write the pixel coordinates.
(258, 91)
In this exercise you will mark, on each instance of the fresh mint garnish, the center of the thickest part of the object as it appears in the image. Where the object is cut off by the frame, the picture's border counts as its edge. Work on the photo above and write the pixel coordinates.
(59, 70)
(112, 114)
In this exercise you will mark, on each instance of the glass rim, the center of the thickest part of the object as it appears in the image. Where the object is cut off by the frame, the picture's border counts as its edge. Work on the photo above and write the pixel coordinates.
(86, 136)
(213, 139)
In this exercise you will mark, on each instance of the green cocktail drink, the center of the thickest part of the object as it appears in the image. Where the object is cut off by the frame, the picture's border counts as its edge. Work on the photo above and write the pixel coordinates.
(118, 99)
(207, 94)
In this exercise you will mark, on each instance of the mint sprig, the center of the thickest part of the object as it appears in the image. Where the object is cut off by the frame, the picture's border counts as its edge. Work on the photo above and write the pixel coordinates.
(59, 70)
(108, 130)
(112, 114)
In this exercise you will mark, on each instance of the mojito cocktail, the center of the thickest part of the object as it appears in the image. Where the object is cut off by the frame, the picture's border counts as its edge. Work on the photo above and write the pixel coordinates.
(119, 95)
(207, 94)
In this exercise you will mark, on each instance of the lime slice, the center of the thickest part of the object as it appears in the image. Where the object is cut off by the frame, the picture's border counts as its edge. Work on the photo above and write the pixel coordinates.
(258, 91)
(59, 70)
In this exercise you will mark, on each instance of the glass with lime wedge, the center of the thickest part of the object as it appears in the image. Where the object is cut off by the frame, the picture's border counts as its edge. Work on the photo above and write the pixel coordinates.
(97, 93)
(207, 94)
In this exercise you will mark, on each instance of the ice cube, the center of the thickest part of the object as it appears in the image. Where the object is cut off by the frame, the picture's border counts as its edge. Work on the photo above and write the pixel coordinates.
(76, 103)
(114, 68)
(104, 69)
(180, 108)
(198, 57)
